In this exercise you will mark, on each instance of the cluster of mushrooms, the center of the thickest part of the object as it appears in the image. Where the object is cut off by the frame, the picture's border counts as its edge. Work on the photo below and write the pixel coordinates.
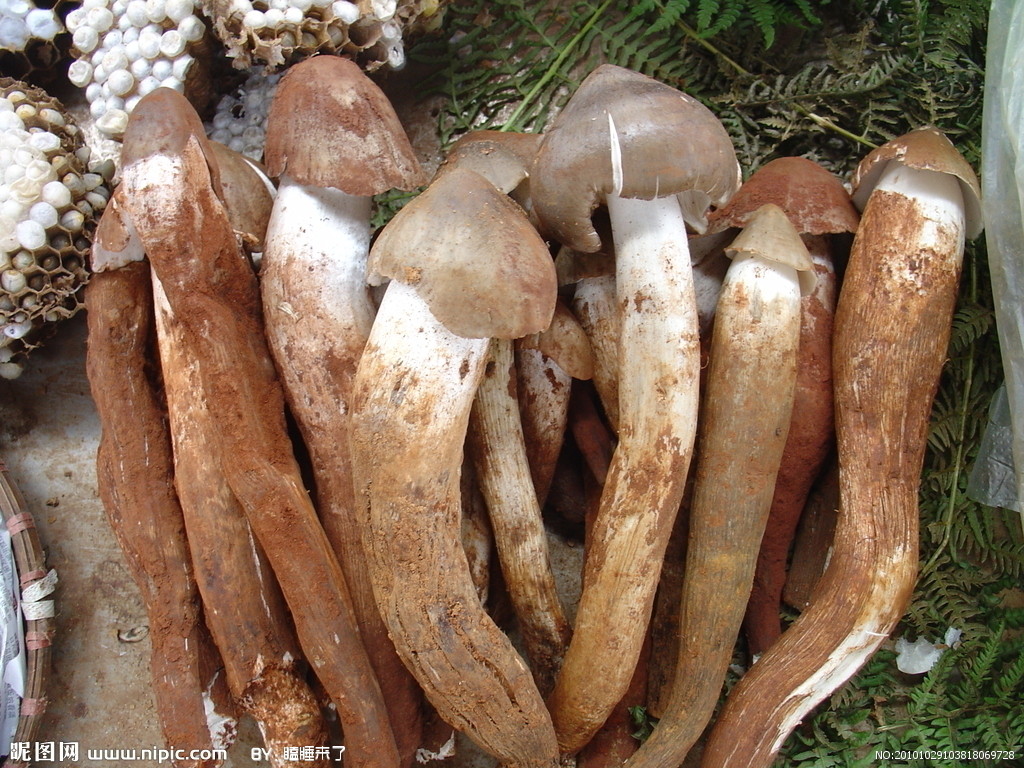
(732, 336)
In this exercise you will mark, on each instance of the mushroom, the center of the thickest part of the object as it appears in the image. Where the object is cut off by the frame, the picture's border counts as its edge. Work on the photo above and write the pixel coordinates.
(749, 400)
(333, 139)
(170, 194)
(623, 137)
(497, 441)
(465, 267)
(920, 201)
(135, 477)
(818, 205)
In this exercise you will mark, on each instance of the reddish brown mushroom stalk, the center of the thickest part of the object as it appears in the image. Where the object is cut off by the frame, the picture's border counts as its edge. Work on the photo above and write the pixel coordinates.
(135, 474)
(242, 603)
(334, 140)
(750, 384)
(892, 328)
(818, 206)
(595, 305)
(465, 267)
(212, 290)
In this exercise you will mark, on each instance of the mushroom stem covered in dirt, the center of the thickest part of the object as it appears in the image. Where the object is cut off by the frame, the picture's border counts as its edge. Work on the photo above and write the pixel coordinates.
(546, 364)
(242, 603)
(135, 476)
(335, 141)
(169, 189)
(634, 144)
(744, 422)
(497, 442)
(498, 448)
(892, 327)
(465, 267)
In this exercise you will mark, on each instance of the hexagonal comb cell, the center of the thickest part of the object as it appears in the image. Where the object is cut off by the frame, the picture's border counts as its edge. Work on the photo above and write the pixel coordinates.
(49, 202)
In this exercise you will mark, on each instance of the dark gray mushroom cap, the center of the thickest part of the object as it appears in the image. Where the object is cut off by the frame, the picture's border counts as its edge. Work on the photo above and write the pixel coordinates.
(924, 149)
(628, 134)
(331, 126)
(473, 257)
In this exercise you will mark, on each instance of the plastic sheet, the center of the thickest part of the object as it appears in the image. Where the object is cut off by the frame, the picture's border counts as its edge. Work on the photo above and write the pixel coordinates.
(1003, 204)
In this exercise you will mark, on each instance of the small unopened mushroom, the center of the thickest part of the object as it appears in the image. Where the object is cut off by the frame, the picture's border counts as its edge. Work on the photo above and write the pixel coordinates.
(633, 144)
(744, 422)
(920, 201)
(333, 140)
(465, 267)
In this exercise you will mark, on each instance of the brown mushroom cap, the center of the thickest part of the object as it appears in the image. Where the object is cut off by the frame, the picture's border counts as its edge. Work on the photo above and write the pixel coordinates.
(161, 124)
(813, 198)
(504, 158)
(473, 257)
(248, 193)
(331, 126)
(670, 143)
(925, 149)
(770, 235)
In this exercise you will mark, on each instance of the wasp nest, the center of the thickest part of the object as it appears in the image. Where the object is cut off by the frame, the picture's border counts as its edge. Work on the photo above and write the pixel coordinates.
(49, 202)
(28, 37)
(126, 48)
(277, 32)
(240, 119)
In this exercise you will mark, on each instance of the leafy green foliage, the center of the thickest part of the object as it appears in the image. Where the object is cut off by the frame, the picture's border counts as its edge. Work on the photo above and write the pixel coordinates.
(714, 17)
(643, 722)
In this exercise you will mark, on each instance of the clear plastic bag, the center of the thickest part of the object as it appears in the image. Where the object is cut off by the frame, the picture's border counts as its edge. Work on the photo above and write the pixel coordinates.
(1002, 179)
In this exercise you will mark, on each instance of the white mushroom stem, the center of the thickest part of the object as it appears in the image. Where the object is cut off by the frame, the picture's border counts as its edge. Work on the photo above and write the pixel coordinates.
(318, 313)
(892, 330)
(411, 404)
(659, 363)
(744, 423)
(503, 472)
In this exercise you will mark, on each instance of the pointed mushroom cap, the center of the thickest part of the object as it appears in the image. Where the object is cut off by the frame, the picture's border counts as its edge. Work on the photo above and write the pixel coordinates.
(504, 158)
(813, 198)
(926, 149)
(770, 235)
(116, 243)
(161, 124)
(473, 257)
(331, 126)
(565, 342)
(667, 143)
